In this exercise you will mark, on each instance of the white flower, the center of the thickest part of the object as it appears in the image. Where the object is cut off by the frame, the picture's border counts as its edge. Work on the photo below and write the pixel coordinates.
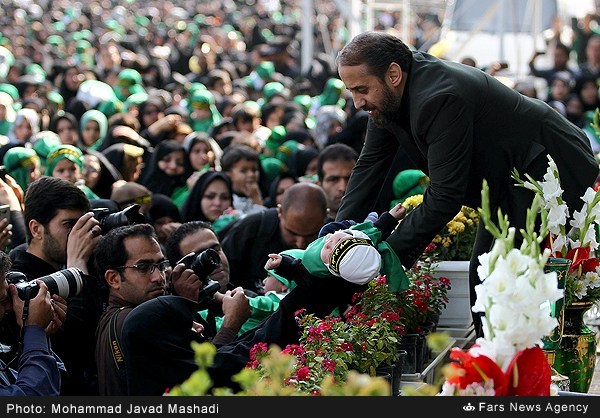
(551, 188)
(557, 216)
(579, 217)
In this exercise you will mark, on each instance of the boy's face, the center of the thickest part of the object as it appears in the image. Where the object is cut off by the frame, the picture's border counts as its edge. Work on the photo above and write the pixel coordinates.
(67, 170)
(242, 173)
(330, 242)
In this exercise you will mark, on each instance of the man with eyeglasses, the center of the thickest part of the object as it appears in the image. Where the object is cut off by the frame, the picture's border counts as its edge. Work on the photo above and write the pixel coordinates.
(62, 232)
(130, 260)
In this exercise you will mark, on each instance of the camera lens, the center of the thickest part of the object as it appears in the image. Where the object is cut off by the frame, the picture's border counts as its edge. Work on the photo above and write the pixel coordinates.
(65, 283)
(205, 263)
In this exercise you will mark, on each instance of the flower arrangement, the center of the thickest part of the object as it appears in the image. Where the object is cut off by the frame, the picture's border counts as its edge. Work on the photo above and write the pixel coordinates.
(577, 243)
(455, 240)
(426, 296)
(515, 296)
(273, 378)
(366, 337)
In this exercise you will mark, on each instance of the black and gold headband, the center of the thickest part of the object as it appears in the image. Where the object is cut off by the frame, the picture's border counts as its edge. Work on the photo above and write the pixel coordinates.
(341, 249)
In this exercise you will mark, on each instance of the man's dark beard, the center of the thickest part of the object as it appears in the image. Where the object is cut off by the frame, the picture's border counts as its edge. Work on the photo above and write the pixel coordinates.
(387, 112)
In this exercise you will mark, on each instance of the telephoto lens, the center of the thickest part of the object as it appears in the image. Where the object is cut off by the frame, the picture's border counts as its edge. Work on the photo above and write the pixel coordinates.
(65, 283)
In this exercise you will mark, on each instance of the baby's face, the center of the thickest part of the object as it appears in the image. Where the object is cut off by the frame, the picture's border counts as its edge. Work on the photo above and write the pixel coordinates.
(330, 241)
(271, 283)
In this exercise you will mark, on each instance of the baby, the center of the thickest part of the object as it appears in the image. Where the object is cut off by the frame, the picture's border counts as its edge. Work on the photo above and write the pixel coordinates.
(357, 254)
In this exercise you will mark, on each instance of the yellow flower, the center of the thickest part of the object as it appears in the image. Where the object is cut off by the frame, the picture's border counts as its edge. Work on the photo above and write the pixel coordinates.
(455, 241)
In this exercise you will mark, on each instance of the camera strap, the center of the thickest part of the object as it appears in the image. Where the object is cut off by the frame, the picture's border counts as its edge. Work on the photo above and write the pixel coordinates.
(115, 346)
(24, 316)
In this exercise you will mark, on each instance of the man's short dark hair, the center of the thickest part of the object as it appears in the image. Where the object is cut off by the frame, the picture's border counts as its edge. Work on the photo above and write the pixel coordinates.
(172, 250)
(376, 50)
(46, 196)
(335, 152)
(111, 252)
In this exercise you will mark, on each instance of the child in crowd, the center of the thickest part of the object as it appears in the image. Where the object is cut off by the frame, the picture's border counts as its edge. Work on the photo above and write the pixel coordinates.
(241, 164)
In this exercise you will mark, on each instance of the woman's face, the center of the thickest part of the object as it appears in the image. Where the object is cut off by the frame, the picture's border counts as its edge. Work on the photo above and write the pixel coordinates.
(66, 132)
(73, 78)
(200, 155)
(91, 132)
(67, 170)
(91, 170)
(215, 200)
(151, 114)
(283, 185)
(173, 163)
(589, 93)
(34, 172)
(23, 130)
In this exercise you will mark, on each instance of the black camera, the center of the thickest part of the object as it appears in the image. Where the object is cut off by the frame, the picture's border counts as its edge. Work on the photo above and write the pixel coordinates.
(129, 216)
(65, 283)
(203, 265)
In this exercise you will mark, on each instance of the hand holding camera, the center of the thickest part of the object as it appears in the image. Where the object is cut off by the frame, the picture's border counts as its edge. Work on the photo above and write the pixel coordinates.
(40, 310)
(185, 283)
(82, 240)
(202, 264)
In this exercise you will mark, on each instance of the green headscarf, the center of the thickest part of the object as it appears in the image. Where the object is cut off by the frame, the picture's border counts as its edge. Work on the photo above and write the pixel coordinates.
(275, 140)
(271, 167)
(131, 80)
(203, 99)
(18, 161)
(408, 183)
(62, 152)
(42, 143)
(100, 118)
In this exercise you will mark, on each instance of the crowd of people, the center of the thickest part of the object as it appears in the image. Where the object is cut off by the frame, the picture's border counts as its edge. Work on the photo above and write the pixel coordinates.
(137, 139)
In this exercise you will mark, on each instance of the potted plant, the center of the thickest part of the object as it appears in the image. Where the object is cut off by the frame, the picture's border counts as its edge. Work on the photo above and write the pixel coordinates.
(451, 251)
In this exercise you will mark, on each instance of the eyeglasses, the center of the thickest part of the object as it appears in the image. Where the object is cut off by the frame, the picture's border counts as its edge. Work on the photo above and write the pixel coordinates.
(147, 268)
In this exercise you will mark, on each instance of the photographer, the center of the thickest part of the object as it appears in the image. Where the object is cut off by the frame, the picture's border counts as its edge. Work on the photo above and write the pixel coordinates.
(62, 232)
(130, 260)
(38, 373)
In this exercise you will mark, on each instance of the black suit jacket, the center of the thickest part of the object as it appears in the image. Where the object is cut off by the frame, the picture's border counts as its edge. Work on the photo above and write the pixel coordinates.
(460, 126)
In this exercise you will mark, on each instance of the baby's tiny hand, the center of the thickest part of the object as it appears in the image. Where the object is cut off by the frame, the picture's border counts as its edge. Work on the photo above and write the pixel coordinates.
(273, 262)
(398, 211)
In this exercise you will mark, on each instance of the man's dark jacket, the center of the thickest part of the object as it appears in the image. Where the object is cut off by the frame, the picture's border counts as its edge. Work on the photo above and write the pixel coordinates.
(461, 126)
(74, 343)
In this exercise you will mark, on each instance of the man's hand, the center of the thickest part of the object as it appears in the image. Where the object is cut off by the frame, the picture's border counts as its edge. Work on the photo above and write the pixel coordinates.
(236, 309)
(41, 311)
(5, 234)
(273, 262)
(82, 240)
(11, 193)
(60, 314)
(185, 282)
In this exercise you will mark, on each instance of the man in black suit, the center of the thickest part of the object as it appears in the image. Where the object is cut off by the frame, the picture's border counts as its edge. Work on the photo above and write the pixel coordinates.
(459, 126)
